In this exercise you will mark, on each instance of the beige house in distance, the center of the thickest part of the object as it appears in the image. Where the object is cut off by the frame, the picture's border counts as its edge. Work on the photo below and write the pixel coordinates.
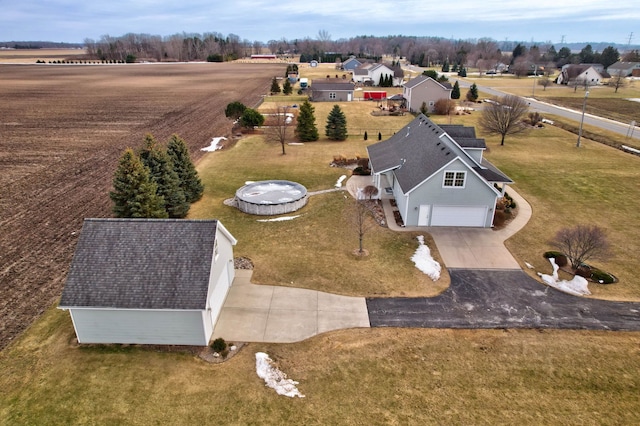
(424, 89)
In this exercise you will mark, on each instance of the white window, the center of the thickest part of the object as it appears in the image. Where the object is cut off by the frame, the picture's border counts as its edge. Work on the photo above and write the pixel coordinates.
(332, 95)
(454, 179)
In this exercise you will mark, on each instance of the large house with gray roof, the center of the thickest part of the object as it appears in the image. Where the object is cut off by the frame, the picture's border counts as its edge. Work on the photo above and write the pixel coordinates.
(149, 281)
(437, 175)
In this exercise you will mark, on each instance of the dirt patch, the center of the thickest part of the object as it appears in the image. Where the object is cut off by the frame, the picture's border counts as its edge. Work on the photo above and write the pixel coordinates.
(63, 130)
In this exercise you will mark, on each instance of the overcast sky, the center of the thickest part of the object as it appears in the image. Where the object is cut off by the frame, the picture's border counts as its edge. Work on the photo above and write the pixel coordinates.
(264, 20)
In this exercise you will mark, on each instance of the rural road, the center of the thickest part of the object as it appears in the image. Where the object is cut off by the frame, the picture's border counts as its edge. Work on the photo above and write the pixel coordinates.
(502, 299)
(592, 120)
(543, 107)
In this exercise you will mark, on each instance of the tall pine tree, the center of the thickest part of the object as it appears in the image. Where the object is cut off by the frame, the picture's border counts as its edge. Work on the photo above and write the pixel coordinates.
(306, 129)
(190, 182)
(134, 194)
(165, 177)
(455, 92)
(336, 128)
(275, 87)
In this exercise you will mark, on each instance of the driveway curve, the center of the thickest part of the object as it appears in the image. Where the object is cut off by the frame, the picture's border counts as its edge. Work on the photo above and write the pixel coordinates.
(502, 299)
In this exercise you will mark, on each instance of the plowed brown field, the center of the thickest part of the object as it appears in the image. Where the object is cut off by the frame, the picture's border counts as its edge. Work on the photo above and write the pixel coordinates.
(62, 130)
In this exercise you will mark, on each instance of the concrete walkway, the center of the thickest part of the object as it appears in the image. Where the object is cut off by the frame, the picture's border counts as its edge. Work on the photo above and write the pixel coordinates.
(262, 313)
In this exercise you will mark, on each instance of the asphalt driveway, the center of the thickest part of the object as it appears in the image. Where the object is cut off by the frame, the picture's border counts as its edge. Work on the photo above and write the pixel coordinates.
(502, 299)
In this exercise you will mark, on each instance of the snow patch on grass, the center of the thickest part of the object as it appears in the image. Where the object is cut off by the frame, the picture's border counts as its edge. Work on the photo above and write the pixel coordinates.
(423, 260)
(274, 378)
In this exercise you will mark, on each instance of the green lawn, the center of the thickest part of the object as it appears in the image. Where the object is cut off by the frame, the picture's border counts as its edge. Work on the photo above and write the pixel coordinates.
(366, 376)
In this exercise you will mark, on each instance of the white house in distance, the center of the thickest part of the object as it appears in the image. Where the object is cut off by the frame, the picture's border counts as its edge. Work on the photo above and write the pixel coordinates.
(579, 74)
(149, 281)
(437, 175)
(371, 73)
(424, 89)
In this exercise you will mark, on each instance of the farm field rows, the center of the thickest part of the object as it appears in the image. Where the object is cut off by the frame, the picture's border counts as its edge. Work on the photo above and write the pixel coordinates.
(62, 134)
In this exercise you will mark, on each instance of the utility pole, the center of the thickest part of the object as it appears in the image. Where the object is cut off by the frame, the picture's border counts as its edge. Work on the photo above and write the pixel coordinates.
(584, 106)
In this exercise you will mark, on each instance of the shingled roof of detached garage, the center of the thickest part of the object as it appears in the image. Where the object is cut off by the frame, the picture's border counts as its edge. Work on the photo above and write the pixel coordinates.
(142, 264)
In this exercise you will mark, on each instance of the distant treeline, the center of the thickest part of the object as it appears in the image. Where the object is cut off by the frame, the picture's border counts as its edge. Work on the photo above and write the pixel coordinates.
(39, 45)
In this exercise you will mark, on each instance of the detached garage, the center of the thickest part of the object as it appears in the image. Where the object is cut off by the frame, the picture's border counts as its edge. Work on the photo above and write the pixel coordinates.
(149, 281)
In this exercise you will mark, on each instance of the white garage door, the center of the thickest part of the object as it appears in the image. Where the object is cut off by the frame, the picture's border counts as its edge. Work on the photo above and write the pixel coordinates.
(458, 216)
(219, 294)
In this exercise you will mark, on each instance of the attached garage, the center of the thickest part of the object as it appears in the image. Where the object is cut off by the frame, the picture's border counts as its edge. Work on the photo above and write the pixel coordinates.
(149, 281)
(470, 216)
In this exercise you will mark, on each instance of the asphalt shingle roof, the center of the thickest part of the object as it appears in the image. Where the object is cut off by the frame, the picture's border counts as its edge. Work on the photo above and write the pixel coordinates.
(141, 264)
(415, 152)
(418, 150)
(335, 86)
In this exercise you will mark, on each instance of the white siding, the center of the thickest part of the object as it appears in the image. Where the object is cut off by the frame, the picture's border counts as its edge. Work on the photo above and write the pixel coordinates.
(139, 326)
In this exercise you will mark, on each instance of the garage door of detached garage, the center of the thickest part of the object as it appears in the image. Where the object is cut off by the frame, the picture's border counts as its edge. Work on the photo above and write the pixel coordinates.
(459, 216)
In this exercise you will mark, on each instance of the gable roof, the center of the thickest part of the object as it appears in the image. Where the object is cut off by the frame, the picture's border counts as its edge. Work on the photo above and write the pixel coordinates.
(464, 136)
(416, 81)
(336, 85)
(421, 148)
(142, 264)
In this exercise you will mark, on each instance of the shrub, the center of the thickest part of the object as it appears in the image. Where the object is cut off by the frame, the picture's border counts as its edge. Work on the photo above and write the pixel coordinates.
(584, 271)
(561, 259)
(219, 345)
(499, 218)
(444, 106)
(602, 277)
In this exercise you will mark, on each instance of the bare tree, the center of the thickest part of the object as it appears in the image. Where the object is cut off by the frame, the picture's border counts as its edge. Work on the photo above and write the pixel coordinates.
(544, 81)
(504, 116)
(359, 216)
(278, 123)
(581, 243)
(617, 81)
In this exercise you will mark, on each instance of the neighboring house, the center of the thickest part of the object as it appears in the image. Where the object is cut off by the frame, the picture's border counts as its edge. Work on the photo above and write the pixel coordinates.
(579, 74)
(148, 281)
(370, 73)
(624, 69)
(424, 89)
(437, 175)
(351, 64)
(332, 90)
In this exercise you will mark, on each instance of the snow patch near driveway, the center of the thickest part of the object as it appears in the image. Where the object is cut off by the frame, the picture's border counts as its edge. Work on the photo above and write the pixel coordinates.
(423, 260)
(275, 378)
(578, 286)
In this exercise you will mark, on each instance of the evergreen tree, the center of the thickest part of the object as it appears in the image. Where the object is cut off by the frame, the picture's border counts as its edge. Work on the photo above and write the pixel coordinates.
(381, 82)
(286, 87)
(472, 94)
(251, 118)
(234, 110)
(336, 128)
(365, 135)
(275, 87)
(134, 194)
(445, 66)
(423, 108)
(379, 136)
(455, 92)
(190, 182)
(165, 177)
(306, 129)
(462, 72)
